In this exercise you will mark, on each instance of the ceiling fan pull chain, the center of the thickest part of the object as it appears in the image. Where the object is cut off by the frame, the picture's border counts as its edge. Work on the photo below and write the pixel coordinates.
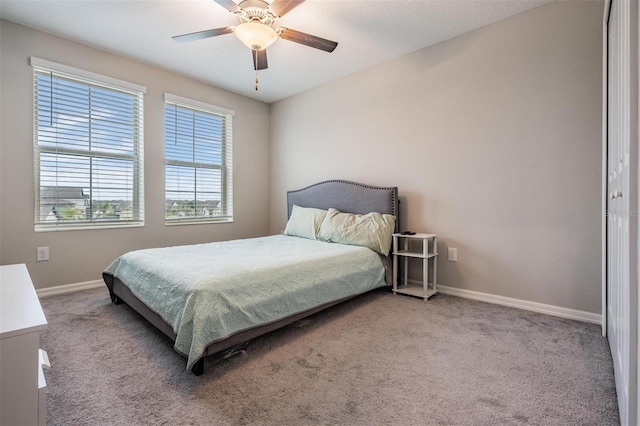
(256, 80)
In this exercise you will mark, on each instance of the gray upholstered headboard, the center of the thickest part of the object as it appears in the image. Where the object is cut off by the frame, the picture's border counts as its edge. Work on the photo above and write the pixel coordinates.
(348, 197)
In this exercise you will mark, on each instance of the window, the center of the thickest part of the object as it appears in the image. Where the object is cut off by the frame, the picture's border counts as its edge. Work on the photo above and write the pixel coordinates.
(88, 149)
(198, 160)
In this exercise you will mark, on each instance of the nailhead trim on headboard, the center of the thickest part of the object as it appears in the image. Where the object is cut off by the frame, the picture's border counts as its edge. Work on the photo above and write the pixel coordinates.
(346, 196)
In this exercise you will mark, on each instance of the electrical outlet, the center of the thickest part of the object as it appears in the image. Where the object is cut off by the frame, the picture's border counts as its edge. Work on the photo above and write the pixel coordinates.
(42, 254)
(452, 255)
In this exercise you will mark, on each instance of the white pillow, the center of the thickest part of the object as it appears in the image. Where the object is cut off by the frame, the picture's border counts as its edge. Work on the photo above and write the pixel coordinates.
(305, 222)
(372, 230)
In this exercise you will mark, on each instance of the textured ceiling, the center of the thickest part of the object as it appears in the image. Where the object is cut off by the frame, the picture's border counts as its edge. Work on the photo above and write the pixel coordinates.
(368, 32)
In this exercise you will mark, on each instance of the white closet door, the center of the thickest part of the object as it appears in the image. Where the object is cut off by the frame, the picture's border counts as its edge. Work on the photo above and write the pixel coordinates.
(622, 191)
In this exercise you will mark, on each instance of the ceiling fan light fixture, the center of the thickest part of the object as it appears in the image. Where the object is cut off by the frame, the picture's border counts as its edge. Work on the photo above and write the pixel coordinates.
(255, 35)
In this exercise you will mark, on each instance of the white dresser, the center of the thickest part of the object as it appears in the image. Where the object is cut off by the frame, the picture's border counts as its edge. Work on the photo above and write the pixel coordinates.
(22, 385)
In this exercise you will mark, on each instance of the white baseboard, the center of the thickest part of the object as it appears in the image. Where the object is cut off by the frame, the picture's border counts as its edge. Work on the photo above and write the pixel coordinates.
(523, 304)
(453, 291)
(69, 288)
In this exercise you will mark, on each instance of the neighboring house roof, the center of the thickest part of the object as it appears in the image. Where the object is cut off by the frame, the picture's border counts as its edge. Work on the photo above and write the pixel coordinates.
(210, 204)
(49, 204)
(62, 192)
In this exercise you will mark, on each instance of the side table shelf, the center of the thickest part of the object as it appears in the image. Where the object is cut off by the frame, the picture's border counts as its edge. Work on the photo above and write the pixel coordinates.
(402, 250)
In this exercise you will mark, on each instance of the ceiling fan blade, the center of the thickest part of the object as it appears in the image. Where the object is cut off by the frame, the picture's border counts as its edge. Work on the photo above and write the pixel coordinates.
(229, 5)
(202, 34)
(308, 40)
(259, 59)
(280, 7)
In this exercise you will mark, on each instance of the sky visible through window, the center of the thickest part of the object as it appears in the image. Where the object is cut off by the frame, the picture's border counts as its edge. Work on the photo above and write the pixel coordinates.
(86, 135)
(89, 150)
(87, 139)
(194, 168)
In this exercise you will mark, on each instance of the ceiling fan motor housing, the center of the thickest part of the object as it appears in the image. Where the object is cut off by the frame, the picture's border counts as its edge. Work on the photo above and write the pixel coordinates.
(255, 10)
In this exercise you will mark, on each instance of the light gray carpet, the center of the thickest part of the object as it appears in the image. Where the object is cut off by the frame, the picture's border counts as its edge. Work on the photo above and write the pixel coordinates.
(380, 359)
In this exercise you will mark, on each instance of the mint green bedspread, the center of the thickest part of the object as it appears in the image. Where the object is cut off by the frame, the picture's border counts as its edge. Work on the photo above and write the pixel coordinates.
(208, 292)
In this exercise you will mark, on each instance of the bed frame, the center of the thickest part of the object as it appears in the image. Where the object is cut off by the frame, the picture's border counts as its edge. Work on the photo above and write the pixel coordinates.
(348, 197)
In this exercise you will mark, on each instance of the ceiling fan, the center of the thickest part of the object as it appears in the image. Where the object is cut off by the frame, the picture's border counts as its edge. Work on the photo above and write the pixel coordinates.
(256, 28)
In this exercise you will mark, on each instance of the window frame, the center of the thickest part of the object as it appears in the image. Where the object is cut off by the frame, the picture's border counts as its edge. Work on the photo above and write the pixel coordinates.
(225, 166)
(87, 78)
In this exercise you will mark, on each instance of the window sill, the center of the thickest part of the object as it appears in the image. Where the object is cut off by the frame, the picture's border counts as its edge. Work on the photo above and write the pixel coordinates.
(84, 227)
(199, 222)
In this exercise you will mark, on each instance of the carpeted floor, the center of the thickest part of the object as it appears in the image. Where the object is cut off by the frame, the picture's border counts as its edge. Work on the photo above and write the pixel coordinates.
(380, 359)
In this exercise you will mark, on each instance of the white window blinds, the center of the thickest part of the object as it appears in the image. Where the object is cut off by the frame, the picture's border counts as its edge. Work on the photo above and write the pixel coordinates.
(198, 162)
(88, 149)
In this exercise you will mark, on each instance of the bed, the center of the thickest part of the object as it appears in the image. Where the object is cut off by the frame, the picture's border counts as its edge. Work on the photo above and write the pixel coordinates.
(211, 297)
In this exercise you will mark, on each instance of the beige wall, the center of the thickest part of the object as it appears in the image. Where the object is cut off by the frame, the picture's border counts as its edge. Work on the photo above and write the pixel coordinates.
(79, 256)
(494, 140)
